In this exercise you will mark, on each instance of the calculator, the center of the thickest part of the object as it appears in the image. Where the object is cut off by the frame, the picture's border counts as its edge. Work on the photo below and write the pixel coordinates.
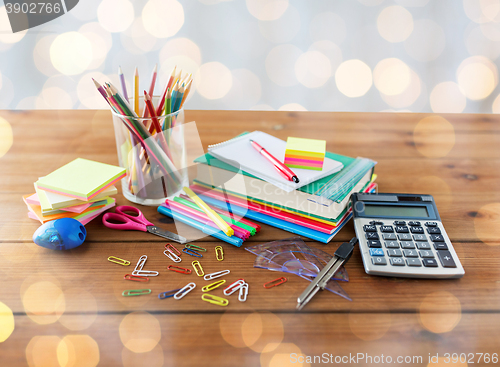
(401, 235)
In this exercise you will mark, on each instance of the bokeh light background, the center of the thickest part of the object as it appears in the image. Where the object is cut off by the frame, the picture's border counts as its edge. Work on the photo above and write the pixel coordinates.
(363, 55)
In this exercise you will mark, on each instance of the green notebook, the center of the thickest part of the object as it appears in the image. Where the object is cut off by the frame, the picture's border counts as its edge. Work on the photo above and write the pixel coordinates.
(308, 189)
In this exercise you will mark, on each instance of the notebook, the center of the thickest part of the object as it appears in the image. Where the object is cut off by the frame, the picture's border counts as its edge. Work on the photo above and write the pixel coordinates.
(239, 153)
(81, 179)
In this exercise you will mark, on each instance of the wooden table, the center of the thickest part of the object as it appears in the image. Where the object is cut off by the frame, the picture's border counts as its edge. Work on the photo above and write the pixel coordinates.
(68, 308)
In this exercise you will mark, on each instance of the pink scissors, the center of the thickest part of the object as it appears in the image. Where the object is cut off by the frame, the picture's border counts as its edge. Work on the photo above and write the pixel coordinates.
(137, 222)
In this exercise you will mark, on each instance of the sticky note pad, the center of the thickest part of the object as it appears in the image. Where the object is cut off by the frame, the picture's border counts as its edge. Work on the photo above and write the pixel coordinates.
(82, 179)
(305, 153)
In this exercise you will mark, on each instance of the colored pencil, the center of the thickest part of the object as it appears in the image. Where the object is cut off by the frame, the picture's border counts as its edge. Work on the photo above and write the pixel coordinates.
(101, 90)
(178, 99)
(136, 91)
(151, 89)
(186, 92)
(122, 81)
(162, 101)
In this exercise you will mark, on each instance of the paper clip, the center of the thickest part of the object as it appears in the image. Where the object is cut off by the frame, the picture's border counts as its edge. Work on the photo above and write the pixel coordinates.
(168, 253)
(118, 261)
(184, 290)
(136, 278)
(216, 274)
(233, 287)
(194, 247)
(168, 294)
(135, 292)
(138, 268)
(219, 253)
(181, 269)
(275, 282)
(199, 272)
(191, 252)
(212, 286)
(242, 296)
(172, 249)
(219, 301)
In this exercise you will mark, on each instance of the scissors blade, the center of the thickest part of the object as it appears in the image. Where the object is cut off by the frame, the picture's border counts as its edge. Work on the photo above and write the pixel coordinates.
(166, 234)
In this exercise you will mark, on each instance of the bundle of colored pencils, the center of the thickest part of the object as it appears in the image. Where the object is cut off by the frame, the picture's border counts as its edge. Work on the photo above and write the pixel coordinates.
(156, 150)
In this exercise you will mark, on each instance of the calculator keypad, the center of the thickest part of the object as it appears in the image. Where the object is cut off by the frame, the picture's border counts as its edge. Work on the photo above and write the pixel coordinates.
(412, 244)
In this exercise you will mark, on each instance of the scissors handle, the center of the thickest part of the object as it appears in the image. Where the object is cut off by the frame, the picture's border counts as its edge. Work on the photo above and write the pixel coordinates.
(124, 222)
(138, 217)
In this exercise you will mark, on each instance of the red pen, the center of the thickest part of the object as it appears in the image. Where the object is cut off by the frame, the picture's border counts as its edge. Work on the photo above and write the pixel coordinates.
(280, 167)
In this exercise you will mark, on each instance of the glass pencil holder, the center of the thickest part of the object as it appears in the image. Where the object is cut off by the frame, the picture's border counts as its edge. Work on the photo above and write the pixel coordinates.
(155, 160)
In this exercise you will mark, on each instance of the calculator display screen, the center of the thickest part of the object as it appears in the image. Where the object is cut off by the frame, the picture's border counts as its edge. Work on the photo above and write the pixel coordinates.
(396, 211)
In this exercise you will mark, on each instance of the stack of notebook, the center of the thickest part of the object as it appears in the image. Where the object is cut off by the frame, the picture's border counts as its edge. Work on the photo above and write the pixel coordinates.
(80, 189)
(234, 177)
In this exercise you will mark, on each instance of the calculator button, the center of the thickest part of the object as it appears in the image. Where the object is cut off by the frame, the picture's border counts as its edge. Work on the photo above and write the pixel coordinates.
(423, 245)
(402, 229)
(406, 244)
(394, 253)
(446, 259)
(431, 224)
(416, 230)
(391, 244)
(404, 237)
(433, 230)
(414, 223)
(436, 237)
(376, 252)
(370, 228)
(419, 237)
(388, 236)
(397, 261)
(440, 246)
(374, 244)
(410, 253)
(399, 223)
(426, 254)
(376, 222)
(430, 263)
(379, 261)
(413, 262)
(388, 229)
(371, 236)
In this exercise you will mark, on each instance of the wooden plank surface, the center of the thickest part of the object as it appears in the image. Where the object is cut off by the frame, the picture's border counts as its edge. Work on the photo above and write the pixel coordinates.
(75, 296)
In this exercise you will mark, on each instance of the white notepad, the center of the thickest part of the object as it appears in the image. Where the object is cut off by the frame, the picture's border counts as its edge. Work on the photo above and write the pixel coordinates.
(239, 153)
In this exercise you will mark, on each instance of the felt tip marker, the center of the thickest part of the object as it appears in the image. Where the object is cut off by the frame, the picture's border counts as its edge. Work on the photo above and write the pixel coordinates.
(280, 167)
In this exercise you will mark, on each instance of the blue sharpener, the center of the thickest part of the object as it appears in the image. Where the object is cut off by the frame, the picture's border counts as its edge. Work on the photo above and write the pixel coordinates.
(60, 234)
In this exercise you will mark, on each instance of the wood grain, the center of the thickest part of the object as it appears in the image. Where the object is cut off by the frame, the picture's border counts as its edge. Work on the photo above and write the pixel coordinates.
(390, 316)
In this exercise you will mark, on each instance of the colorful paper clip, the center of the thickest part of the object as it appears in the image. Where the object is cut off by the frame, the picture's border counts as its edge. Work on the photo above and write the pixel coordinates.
(168, 253)
(168, 294)
(191, 252)
(275, 282)
(172, 249)
(219, 253)
(233, 287)
(219, 301)
(196, 264)
(217, 274)
(180, 269)
(242, 296)
(135, 292)
(194, 247)
(184, 290)
(136, 278)
(212, 286)
(138, 268)
(118, 261)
